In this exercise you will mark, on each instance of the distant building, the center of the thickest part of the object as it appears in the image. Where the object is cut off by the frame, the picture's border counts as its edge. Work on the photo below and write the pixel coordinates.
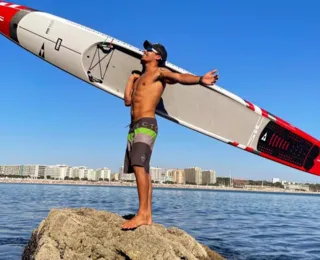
(156, 174)
(115, 176)
(103, 174)
(209, 177)
(74, 172)
(275, 180)
(126, 176)
(179, 176)
(33, 171)
(92, 175)
(193, 175)
(12, 170)
(56, 171)
(168, 175)
(297, 187)
(83, 172)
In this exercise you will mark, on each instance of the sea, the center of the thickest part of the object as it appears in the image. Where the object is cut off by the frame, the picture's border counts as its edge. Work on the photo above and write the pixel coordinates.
(238, 225)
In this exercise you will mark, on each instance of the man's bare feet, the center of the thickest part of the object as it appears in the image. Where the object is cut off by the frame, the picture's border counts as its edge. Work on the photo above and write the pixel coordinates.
(137, 221)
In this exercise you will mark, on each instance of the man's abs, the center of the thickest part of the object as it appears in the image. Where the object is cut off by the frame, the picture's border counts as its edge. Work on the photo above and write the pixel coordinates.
(142, 107)
(145, 100)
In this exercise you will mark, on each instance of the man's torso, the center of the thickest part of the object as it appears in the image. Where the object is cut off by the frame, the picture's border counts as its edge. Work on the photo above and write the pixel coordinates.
(147, 91)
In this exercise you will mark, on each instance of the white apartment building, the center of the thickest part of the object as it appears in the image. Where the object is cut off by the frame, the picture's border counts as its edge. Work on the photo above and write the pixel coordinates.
(297, 187)
(74, 172)
(274, 180)
(104, 174)
(92, 175)
(156, 174)
(30, 170)
(83, 172)
(209, 177)
(115, 176)
(193, 175)
(179, 176)
(168, 175)
(56, 171)
(12, 169)
(126, 176)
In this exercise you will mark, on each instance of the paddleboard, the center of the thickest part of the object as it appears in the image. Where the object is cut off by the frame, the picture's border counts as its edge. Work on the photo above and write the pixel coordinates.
(106, 63)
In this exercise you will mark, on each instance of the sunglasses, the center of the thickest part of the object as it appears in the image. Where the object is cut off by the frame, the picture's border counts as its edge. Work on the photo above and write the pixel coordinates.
(150, 49)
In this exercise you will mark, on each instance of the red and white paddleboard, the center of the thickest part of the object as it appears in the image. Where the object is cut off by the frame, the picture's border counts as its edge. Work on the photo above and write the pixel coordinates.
(106, 63)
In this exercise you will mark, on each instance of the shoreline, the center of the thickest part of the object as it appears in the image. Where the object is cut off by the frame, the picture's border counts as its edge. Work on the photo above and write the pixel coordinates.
(155, 185)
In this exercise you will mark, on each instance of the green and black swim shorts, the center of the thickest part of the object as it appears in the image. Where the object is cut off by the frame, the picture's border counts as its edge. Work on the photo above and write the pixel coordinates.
(141, 138)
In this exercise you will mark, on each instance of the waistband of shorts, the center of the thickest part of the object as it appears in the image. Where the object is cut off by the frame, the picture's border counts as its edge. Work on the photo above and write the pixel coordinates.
(148, 122)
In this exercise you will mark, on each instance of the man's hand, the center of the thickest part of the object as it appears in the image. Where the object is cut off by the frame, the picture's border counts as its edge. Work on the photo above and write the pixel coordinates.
(135, 75)
(210, 78)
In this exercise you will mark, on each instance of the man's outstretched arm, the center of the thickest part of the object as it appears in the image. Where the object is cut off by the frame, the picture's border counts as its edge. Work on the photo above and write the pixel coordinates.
(209, 78)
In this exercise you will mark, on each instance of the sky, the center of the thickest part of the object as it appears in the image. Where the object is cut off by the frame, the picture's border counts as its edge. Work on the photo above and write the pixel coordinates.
(265, 51)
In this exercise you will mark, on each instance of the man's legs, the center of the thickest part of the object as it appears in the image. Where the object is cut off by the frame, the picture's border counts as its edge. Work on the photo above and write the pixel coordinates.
(144, 138)
(144, 213)
(149, 200)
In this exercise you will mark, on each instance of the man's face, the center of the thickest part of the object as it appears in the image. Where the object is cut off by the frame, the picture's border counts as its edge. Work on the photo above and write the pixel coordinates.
(150, 55)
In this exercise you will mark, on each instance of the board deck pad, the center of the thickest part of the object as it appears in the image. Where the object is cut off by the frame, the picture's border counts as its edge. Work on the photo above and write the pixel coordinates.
(106, 63)
(277, 141)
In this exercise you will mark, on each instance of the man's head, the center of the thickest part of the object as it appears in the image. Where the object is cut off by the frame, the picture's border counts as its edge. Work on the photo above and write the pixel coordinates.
(154, 52)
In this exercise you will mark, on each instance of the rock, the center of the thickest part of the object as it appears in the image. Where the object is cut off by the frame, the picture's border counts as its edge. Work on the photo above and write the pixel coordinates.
(91, 234)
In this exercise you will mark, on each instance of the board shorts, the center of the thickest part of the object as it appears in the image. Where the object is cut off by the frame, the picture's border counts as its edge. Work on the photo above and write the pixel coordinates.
(141, 138)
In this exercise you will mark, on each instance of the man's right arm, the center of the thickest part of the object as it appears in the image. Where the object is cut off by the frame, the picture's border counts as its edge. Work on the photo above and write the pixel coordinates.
(128, 91)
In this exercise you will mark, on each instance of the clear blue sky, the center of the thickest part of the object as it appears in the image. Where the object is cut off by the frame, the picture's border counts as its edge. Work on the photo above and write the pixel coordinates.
(266, 52)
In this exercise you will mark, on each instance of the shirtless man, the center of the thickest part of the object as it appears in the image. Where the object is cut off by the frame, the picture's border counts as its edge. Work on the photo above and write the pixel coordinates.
(143, 94)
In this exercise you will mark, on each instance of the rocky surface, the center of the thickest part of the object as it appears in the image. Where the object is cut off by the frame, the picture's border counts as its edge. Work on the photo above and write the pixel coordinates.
(91, 234)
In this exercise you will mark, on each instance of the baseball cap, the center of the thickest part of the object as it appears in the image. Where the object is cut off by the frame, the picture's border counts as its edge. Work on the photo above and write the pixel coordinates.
(159, 48)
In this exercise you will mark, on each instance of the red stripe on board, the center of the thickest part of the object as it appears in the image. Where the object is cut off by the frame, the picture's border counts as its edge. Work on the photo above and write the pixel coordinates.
(271, 140)
(315, 169)
(249, 149)
(251, 106)
(234, 143)
(280, 145)
(277, 143)
(296, 130)
(265, 113)
(287, 146)
(274, 141)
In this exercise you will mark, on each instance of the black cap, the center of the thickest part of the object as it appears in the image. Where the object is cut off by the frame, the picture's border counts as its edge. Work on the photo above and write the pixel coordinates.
(158, 48)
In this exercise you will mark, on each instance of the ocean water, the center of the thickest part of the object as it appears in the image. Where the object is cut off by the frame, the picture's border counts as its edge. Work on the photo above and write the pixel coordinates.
(238, 225)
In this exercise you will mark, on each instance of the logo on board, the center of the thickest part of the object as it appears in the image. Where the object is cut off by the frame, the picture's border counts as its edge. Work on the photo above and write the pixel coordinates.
(41, 52)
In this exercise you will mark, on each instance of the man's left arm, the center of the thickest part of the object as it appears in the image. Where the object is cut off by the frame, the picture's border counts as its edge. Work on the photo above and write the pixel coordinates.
(209, 78)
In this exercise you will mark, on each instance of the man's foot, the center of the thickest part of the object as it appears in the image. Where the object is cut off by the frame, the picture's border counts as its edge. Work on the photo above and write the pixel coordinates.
(137, 221)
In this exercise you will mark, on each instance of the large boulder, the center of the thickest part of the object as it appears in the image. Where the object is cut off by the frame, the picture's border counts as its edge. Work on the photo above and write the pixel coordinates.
(91, 234)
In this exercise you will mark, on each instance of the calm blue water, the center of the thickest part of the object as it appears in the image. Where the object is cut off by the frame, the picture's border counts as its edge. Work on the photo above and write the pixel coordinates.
(238, 225)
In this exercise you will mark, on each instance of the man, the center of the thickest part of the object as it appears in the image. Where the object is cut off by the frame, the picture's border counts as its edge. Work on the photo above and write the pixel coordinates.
(143, 93)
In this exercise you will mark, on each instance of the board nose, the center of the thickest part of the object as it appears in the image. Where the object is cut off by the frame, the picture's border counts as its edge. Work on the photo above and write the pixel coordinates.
(7, 11)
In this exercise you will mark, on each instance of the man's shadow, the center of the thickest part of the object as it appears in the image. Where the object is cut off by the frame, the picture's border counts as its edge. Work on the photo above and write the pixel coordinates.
(162, 109)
